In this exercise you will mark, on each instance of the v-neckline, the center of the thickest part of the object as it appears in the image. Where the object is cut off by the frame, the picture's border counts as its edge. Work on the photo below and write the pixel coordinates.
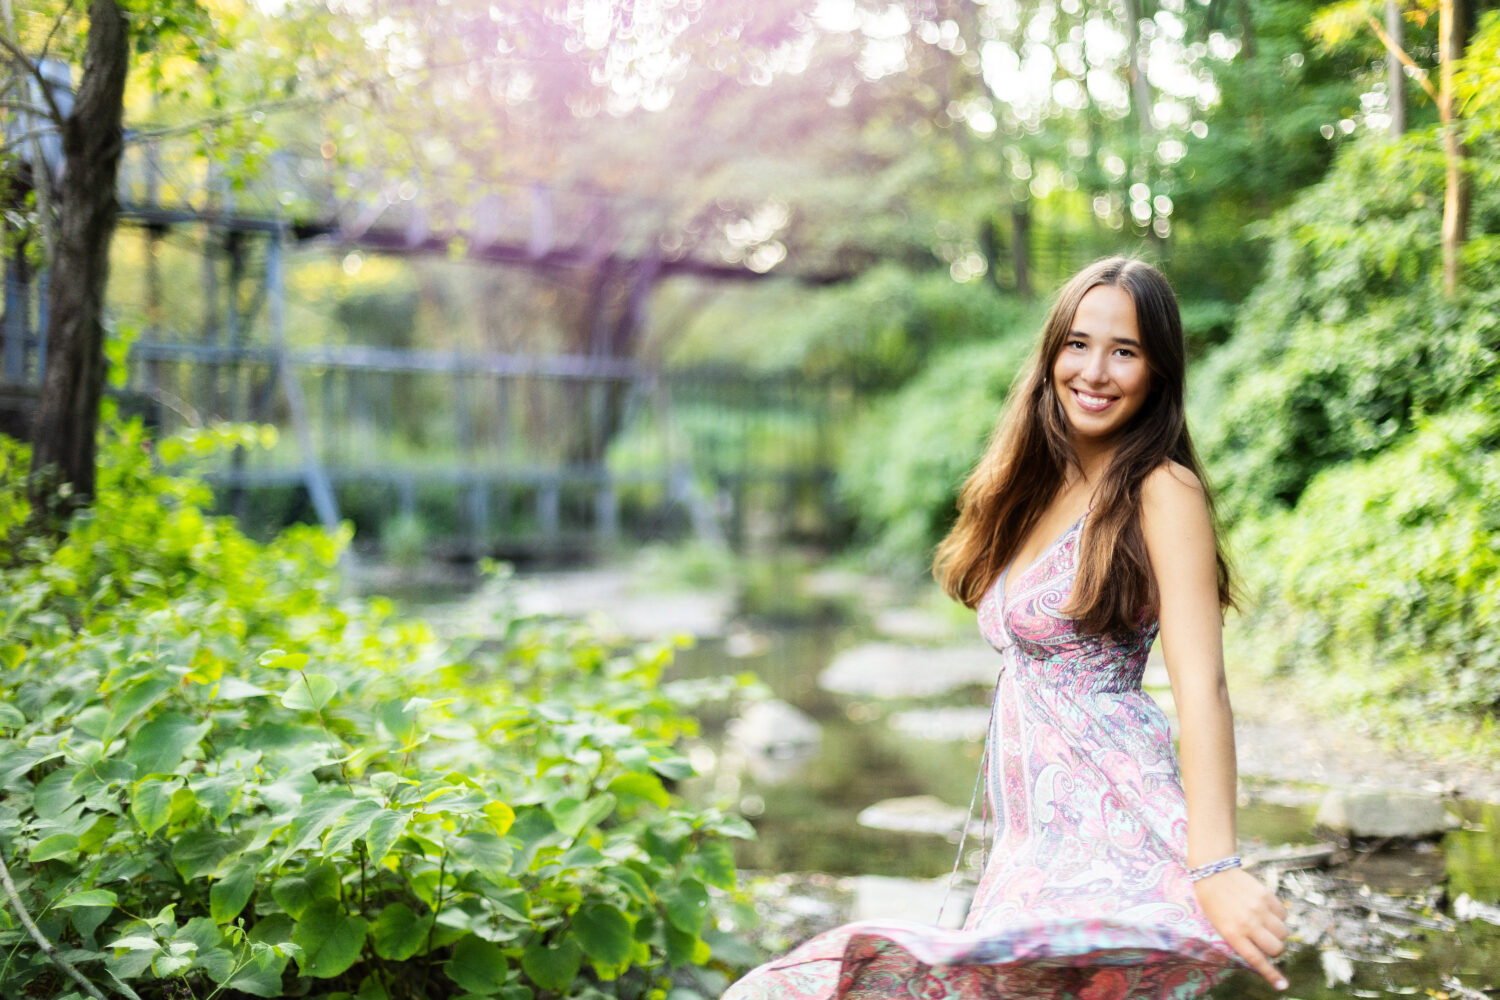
(1005, 574)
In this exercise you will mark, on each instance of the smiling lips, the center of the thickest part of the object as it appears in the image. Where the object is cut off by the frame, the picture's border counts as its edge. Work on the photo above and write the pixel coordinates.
(1090, 402)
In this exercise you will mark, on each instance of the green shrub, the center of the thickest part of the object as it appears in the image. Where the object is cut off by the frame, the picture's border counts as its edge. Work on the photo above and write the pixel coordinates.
(1349, 340)
(219, 778)
(907, 457)
(1382, 587)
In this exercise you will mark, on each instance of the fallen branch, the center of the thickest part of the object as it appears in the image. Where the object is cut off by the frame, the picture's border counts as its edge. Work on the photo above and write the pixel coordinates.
(48, 948)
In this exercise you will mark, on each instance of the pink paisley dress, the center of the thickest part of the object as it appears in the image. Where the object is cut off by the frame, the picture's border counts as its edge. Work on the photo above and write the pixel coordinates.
(1084, 895)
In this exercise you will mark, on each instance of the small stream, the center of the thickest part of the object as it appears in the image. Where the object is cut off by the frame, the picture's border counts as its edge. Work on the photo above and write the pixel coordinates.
(877, 748)
(1418, 921)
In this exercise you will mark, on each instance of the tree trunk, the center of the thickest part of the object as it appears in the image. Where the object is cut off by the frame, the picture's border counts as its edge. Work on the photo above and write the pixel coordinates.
(1395, 74)
(1020, 246)
(1452, 38)
(64, 439)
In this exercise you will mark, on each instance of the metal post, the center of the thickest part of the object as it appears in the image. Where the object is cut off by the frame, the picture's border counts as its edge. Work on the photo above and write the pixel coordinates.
(319, 489)
(16, 310)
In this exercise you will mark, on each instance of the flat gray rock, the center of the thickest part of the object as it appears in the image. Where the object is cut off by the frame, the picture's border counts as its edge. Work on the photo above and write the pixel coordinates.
(956, 724)
(878, 897)
(897, 670)
(1385, 814)
(916, 814)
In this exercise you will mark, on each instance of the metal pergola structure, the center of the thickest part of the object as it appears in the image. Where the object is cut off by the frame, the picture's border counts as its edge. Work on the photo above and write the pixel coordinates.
(503, 503)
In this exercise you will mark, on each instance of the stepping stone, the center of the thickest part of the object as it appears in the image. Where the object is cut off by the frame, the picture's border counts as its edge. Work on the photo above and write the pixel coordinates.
(878, 897)
(894, 670)
(1386, 814)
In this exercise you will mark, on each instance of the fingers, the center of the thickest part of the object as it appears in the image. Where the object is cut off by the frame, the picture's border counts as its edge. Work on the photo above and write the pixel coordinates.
(1258, 961)
(1268, 941)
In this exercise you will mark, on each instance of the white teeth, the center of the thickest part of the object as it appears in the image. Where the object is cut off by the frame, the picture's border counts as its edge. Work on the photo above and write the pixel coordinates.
(1088, 400)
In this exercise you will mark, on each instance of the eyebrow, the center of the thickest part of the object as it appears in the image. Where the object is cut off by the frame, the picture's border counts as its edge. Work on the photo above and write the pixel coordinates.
(1127, 341)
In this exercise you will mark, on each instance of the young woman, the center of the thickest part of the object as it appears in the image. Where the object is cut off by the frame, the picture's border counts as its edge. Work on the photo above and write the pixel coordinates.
(1083, 532)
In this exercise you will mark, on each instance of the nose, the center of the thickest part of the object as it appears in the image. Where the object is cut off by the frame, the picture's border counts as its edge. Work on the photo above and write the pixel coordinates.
(1095, 368)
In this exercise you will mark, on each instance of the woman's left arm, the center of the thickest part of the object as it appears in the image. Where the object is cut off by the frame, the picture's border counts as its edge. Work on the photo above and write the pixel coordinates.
(1179, 538)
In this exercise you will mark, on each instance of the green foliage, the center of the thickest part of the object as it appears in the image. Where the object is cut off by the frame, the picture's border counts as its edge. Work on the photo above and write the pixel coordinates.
(1349, 338)
(1384, 582)
(219, 778)
(907, 457)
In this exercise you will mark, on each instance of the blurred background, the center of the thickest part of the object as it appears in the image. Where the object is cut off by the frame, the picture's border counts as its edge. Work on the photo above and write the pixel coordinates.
(696, 312)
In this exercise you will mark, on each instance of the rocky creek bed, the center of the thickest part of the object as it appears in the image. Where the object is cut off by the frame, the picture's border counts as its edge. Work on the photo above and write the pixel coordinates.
(857, 769)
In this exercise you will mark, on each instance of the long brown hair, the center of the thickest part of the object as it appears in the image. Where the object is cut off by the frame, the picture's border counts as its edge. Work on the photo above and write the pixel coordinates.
(1029, 455)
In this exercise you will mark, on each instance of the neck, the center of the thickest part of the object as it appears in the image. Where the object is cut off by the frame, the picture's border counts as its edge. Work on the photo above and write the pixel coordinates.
(1093, 460)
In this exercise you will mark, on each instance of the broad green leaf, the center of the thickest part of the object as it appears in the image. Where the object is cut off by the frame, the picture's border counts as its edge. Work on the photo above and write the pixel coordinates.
(56, 846)
(280, 659)
(200, 852)
(236, 689)
(151, 802)
(298, 893)
(398, 933)
(486, 853)
(262, 976)
(233, 888)
(86, 919)
(477, 966)
(316, 814)
(628, 879)
(309, 692)
(371, 988)
(604, 933)
(159, 746)
(88, 897)
(573, 816)
(581, 856)
(351, 826)
(330, 939)
(20, 760)
(501, 817)
(95, 836)
(673, 766)
(135, 942)
(219, 794)
(383, 831)
(55, 793)
(133, 702)
(684, 947)
(553, 967)
(713, 862)
(166, 965)
(11, 717)
(641, 786)
(686, 905)
(202, 932)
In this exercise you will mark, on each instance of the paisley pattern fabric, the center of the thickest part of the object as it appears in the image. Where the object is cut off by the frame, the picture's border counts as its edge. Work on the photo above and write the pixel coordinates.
(1084, 895)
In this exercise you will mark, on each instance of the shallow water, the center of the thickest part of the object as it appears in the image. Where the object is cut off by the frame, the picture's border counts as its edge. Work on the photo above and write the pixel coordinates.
(808, 823)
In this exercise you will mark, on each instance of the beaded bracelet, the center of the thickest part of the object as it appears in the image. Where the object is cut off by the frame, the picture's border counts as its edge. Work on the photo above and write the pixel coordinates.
(1222, 865)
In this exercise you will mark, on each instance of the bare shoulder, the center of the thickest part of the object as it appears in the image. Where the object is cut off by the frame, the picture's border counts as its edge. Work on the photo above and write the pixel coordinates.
(1172, 483)
(1172, 488)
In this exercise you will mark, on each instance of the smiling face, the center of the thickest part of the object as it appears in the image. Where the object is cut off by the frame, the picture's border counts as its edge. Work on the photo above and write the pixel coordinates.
(1100, 373)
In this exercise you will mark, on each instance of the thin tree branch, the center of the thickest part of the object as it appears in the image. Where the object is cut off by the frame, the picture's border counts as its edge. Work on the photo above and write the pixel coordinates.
(28, 108)
(52, 32)
(1390, 44)
(48, 948)
(19, 56)
(35, 133)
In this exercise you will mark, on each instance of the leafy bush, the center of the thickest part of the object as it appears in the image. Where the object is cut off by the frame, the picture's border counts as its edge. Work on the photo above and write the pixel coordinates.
(220, 779)
(907, 457)
(1382, 587)
(1348, 340)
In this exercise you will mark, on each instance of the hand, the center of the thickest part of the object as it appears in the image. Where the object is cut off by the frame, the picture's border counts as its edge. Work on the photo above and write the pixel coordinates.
(1247, 916)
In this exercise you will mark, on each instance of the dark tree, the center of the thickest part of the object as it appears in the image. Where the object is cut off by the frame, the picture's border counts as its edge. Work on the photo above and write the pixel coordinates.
(64, 434)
